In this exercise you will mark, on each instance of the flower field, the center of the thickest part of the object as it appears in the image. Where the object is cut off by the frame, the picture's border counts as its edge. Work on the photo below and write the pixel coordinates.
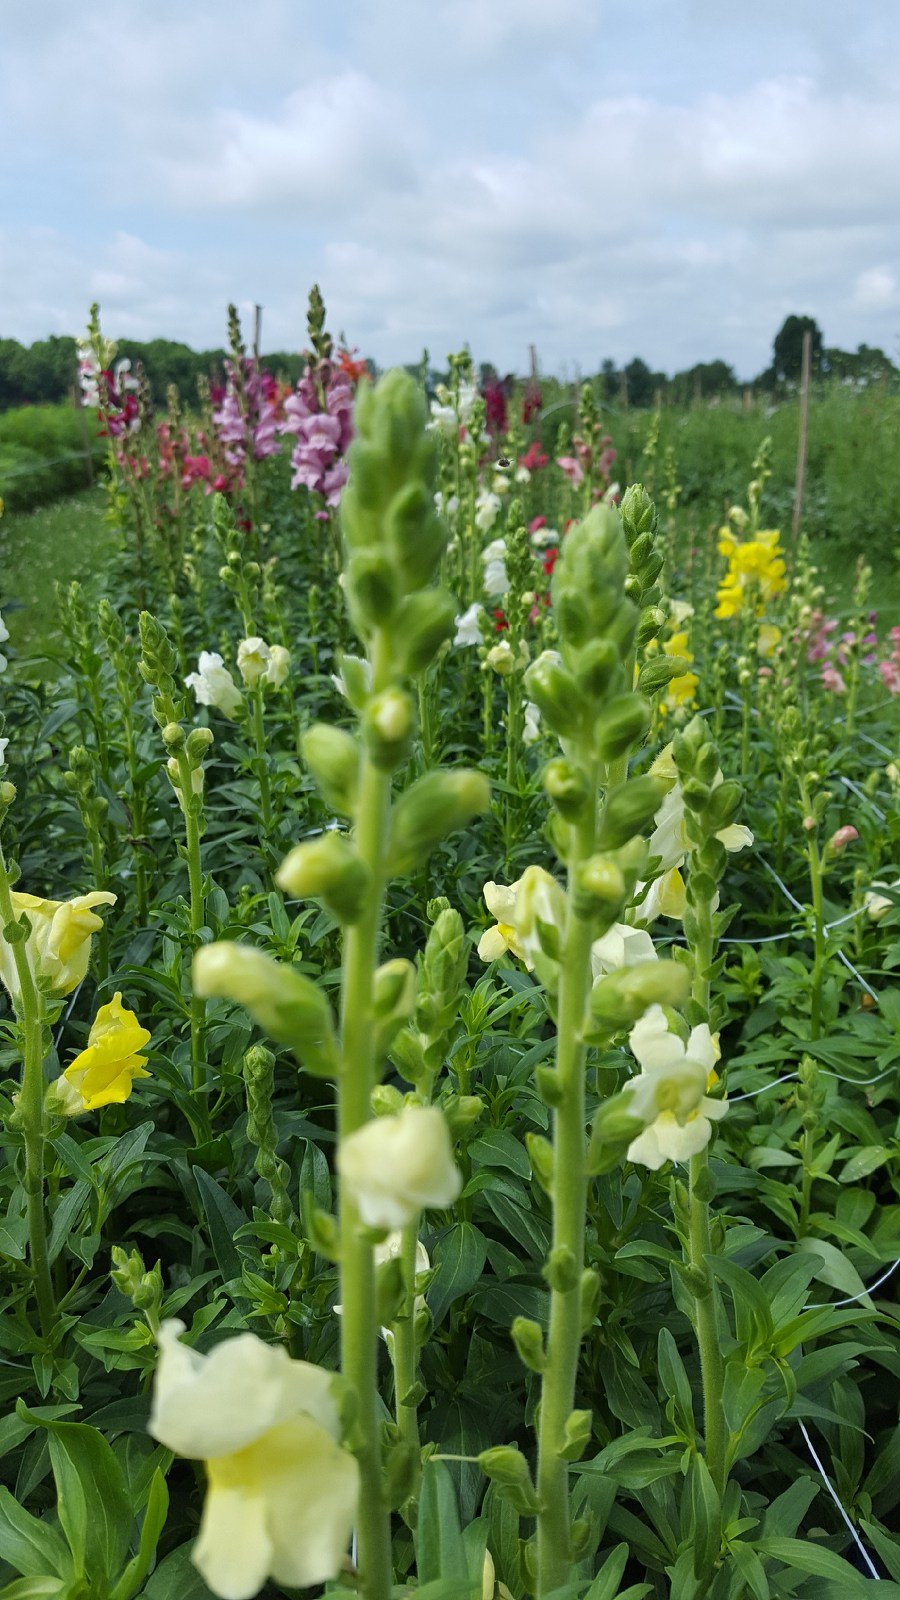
(450, 922)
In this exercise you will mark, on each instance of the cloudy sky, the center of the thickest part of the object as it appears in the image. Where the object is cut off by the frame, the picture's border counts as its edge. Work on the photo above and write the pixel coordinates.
(599, 177)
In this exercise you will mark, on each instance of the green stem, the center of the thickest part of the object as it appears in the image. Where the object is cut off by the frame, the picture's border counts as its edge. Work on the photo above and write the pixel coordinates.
(262, 760)
(806, 1181)
(818, 901)
(197, 913)
(358, 1324)
(31, 1108)
(705, 1322)
(569, 1206)
(405, 1352)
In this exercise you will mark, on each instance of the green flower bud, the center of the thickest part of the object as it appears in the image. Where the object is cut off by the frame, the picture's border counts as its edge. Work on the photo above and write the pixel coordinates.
(356, 677)
(327, 869)
(596, 666)
(288, 1005)
(389, 1291)
(621, 725)
(568, 789)
(638, 513)
(724, 805)
(386, 1101)
(549, 1085)
(173, 736)
(628, 810)
(372, 589)
(659, 671)
(508, 1469)
(434, 806)
(555, 693)
(7, 792)
(461, 1112)
(198, 743)
(528, 1339)
(577, 1435)
(620, 998)
(394, 998)
(540, 1154)
(561, 1270)
(599, 889)
(422, 624)
(416, 535)
(590, 1298)
(388, 724)
(614, 1126)
(333, 759)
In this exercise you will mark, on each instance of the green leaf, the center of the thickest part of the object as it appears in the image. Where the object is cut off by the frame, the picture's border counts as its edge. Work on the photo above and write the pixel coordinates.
(751, 1308)
(459, 1258)
(94, 1506)
(836, 1270)
(151, 1528)
(706, 1517)
(865, 1162)
(33, 1547)
(886, 1547)
(751, 1570)
(497, 1147)
(801, 1555)
(674, 1379)
(223, 1219)
(606, 1584)
(440, 1551)
(177, 1578)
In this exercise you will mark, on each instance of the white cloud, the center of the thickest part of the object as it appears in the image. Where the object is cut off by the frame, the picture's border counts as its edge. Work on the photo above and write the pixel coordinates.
(876, 288)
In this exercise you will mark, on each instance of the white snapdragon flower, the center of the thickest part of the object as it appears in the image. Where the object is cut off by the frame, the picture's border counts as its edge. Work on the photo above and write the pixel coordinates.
(253, 660)
(531, 728)
(278, 666)
(500, 483)
(543, 538)
(493, 557)
(389, 1249)
(282, 1493)
(680, 611)
(3, 744)
(531, 916)
(487, 510)
(500, 900)
(523, 475)
(501, 659)
(878, 905)
(468, 626)
(213, 684)
(395, 1167)
(621, 946)
(669, 1093)
(4, 635)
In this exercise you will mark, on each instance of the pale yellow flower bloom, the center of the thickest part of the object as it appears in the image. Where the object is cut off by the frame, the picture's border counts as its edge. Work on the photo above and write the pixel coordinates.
(395, 1167)
(282, 1493)
(59, 944)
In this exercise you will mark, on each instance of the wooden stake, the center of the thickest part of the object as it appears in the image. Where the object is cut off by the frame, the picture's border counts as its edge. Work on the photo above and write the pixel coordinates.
(803, 439)
(257, 331)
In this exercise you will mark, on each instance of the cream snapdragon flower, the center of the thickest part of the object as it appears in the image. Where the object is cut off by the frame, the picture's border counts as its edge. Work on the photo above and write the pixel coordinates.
(528, 912)
(666, 896)
(669, 1093)
(282, 1493)
(468, 626)
(253, 660)
(59, 944)
(496, 581)
(621, 946)
(395, 1167)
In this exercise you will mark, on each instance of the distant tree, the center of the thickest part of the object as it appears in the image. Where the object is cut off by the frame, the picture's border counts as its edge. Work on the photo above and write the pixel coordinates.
(862, 367)
(706, 380)
(787, 350)
(642, 383)
(610, 380)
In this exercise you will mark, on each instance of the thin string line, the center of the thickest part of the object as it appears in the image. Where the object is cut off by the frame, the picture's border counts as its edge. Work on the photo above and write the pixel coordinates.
(861, 795)
(835, 1497)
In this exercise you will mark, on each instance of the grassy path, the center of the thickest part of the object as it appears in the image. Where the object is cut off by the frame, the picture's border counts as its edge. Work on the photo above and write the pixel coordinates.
(55, 543)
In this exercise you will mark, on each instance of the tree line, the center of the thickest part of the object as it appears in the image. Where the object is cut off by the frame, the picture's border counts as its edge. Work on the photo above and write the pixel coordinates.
(47, 371)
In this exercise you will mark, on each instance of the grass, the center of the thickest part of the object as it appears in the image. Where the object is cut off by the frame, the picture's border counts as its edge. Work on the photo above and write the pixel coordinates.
(55, 543)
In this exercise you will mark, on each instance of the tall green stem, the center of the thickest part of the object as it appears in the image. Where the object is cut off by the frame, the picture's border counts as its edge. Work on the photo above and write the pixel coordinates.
(359, 1331)
(197, 913)
(31, 1108)
(699, 1242)
(569, 1205)
(404, 1335)
(818, 901)
(262, 766)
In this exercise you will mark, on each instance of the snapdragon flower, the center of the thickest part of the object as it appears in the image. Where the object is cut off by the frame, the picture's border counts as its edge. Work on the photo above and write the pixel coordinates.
(395, 1167)
(669, 1093)
(496, 580)
(320, 415)
(665, 896)
(58, 947)
(487, 510)
(531, 726)
(103, 1073)
(213, 684)
(281, 1492)
(253, 660)
(4, 635)
(468, 626)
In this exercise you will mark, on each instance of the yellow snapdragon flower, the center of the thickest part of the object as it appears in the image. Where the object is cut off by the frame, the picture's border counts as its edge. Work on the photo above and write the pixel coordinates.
(59, 944)
(104, 1073)
(681, 692)
(756, 571)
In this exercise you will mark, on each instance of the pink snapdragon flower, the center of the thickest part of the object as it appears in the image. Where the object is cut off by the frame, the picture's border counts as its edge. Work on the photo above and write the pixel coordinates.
(251, 419)
(833, 679)
(572, 468)
(844, 836)
(322, 433)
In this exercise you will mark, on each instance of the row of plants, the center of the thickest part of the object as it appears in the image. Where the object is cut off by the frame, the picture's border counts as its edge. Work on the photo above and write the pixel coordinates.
(450, 1135)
